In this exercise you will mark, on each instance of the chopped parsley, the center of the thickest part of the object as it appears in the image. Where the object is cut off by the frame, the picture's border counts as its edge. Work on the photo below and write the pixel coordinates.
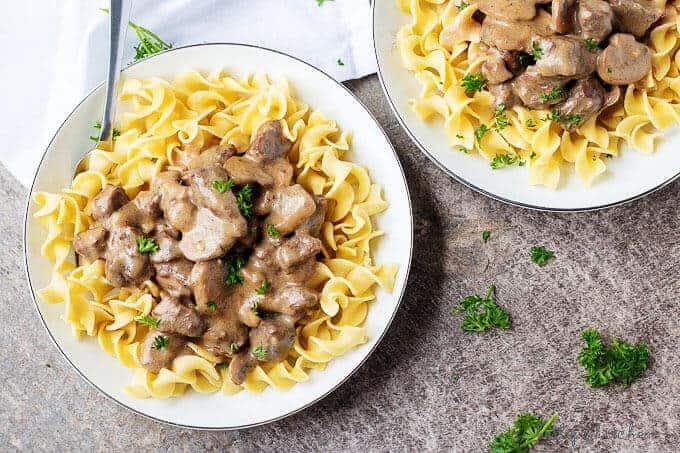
(527, 429)
(212, 306)
(530, 123)
(148, 320)
(533, 154)
(524, 59)
(340, 62)
(473, 82)
(462, 5)
(115, 133)
(556, 93)
(459, 136)
(553, 116)
(571, 119)
(610, 69)
(260, 353)
(149, 42)
(222, 366)
(160, 342)
(536, 51)
(501, 118)
(273, 232)
(482, 313)
(463, 149)
(622, 361)
(486, 235)
(263, 287)
(481, 131)
(221, 185)
(540, 255)
(234, 265)
(591, 44)
(244, 200)
(505, 160)
(146, 244)
(253, 308)
(234, 347)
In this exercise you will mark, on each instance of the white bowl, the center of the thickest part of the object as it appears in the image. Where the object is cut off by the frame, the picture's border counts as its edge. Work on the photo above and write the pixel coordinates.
(628, 177)
(370, 147)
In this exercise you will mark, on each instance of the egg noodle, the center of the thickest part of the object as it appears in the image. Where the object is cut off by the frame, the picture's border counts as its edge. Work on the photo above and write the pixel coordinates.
(163, 121)
(648, 107)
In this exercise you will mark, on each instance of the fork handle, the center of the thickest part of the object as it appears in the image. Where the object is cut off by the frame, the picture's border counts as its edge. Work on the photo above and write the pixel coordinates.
(119, 14)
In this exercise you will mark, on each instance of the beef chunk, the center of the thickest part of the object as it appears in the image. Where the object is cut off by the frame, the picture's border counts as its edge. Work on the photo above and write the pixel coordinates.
(595, 19)
(292, 300)
(91, 244)
(290, 207)
(503, 94)
(175, 204)
(154, 357)
(175, 277)
(269, 142)
(564, 56)
(244, 170)
(563, 16)
(494, 69)
(585, 99)
(510, 10)
(168, 245)
(109, 200)
(149, 203)
(207, 283)
(624, 61)
(225, 334)
(271, 340)
(514, 35)
(177, 318)
(533, 89)
(297, 249)
(125, 265)
(215, 155)
(239, 367)
(315, 222)
(635, 16)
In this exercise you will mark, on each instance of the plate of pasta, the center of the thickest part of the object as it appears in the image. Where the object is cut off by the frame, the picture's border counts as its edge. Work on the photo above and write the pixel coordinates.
(560, 105)
(230, 257)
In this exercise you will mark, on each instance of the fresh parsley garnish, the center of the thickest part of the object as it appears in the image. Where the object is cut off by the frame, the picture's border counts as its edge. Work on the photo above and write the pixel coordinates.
(160, 342)
(244, 200)
(553, 116)
(571, 119)
(533, 155)
(610, 69)
(482, 313)
(222, 185)
(536, 51)
(556, 93)
(539, 254)
(263, 287)
(622, 361)
(462, 5)
(501, 118)
(486, 235)
(340, 62)
(146, 244)
(591, 44)
(234, 265)
(505, 160)
(115, 133)
(260, 353)
(253, 308)
(234, 347)
(212, 306)
(530, 123)
(473, 82)
(222, 366)
(459, 136)
(462, 149)
(481, 131)
(273, 232)
(148, 320)
(149, 42)
(524, 59)
(527, 429)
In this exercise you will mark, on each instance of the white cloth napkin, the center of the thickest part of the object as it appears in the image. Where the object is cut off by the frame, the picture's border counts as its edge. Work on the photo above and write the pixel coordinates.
(55, 51)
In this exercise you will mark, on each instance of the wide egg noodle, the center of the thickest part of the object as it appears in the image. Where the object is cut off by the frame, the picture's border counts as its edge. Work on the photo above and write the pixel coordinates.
(165, 123)
(649, 106)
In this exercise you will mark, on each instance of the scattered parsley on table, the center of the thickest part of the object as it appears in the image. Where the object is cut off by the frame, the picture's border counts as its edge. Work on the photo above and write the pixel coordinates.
(603, 364)
(482, 313)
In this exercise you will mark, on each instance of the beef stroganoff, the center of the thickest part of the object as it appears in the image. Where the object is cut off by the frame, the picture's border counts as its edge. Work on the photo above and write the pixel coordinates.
(543, 83)
(222, 241)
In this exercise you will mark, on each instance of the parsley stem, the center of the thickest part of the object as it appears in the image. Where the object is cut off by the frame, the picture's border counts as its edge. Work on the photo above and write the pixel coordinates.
(546, 426)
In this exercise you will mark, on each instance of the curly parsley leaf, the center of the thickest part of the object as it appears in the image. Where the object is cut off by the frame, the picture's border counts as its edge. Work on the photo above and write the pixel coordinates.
(212, 306)
(146, 244)
(160, 342)
(222, 366)
(260, 353)
(273, 232)
(482, 313)
(502, 120)
(527, 429)
(621, 361)
(149, 42)
(244, 200)
(473, 82)
(505, 160)
(234, 265)
(486, 235)
(591, 44)
(115, 133)
(340, 62)
(222, 185)
(148, 320)
(264, 287)
(536, 51)
(481, 131)
(540, 255)
(556, 93)
(462, 5)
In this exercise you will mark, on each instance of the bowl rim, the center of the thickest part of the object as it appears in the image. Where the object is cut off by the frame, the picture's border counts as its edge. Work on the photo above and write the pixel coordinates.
(369, 353)
(468, 184)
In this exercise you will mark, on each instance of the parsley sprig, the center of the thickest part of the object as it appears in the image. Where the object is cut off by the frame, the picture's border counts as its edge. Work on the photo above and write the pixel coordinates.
(473, 82)
(149, 42)
(148, 320)
(260, 353)
(536, 51)
(146, 244)
(540, 255)
(591, 44)
(505, 160)
(115, 133)
(222, 185)
(482, 313)
(273, 232)
(556, 93)
(264, 287)
(244, 200)
(501, 116)
(234, 265)
(527, 429)
(622, 361)
(160, 342)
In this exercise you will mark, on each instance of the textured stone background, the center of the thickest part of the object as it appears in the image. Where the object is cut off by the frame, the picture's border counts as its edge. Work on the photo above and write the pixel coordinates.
(617, 270)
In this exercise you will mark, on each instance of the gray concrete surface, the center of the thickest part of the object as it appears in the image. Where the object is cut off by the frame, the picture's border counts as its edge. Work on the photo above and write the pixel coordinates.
(429, 386)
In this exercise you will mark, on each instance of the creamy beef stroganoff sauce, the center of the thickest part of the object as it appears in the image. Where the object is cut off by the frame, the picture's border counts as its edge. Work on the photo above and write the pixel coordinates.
(538, 83)
(222, 243)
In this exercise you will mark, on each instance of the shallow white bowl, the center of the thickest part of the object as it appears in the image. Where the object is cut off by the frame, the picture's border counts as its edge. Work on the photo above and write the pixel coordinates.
(628, 177)
(370, 147)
